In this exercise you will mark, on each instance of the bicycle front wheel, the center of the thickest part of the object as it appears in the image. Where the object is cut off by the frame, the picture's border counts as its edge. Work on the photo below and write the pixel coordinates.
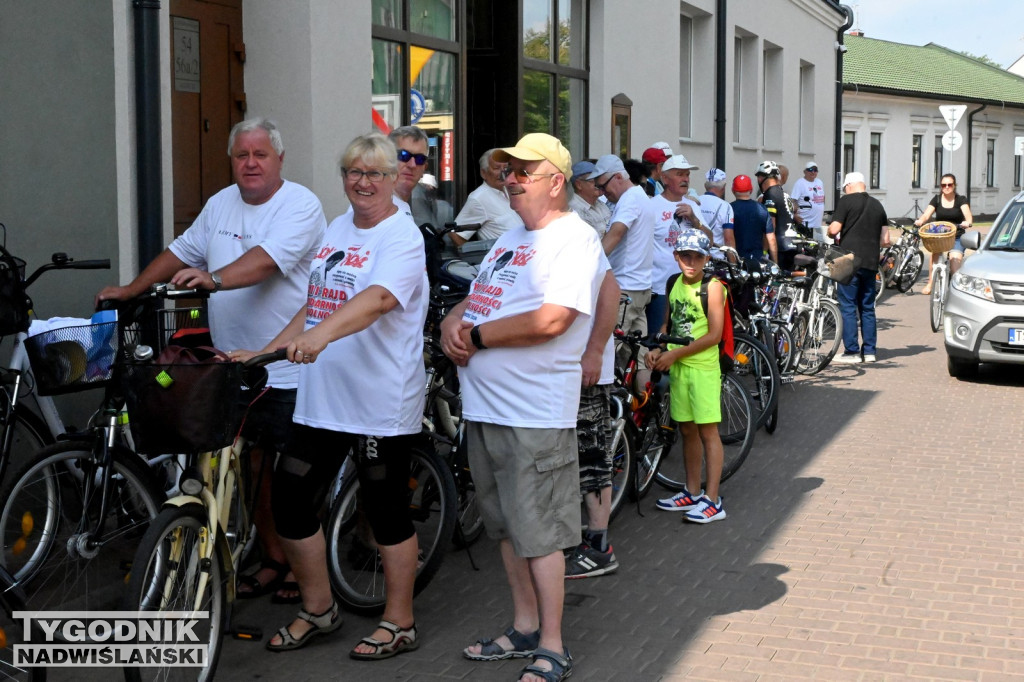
(65, 550)
(938, 299)
(910, 270)
(12, 633)
(353, 560)
(170, 574)
(622, 465)
(819, 333)
(756, 370)
(30, 435)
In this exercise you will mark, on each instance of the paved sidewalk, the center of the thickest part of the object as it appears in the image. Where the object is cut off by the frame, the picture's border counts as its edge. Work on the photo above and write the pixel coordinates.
(875, 536)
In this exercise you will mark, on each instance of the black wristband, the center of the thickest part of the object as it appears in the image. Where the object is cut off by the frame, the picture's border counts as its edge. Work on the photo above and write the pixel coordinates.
(474, 336)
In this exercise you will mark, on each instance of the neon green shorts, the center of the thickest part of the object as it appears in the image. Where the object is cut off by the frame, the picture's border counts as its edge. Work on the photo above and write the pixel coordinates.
(696, 394)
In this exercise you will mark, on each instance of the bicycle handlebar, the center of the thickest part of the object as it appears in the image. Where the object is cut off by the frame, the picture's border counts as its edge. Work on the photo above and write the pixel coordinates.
(266, 358)
(655, 340)
(60, 261)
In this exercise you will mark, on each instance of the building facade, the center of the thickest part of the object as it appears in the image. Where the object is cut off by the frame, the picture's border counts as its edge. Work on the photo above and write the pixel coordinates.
(893, 128)
(726, 83)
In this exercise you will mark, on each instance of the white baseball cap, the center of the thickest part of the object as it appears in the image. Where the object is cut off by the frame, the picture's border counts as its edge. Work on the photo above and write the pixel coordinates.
(852, 178)
(678, 161)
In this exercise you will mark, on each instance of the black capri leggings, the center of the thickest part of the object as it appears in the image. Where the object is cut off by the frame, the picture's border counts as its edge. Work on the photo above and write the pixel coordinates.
(310, 464)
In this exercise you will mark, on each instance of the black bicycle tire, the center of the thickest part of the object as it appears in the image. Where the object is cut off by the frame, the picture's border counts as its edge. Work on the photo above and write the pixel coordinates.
(142, 496)
(908, 274)
(39, 434)
(194, 517)
(809, 363)
(782, 345)
(769, 379)
(340, 524)
(623, 467)
(936, 302)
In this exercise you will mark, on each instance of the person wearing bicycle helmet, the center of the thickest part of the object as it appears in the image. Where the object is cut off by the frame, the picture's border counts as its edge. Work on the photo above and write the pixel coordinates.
(752, 228)
(951, 208)
(769, 179)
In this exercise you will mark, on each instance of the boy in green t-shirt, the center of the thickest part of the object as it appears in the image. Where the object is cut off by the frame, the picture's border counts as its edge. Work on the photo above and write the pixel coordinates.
(695, 377)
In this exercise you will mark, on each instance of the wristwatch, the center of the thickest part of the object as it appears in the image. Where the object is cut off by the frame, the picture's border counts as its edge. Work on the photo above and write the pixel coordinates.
(217, 283)
(474, 336)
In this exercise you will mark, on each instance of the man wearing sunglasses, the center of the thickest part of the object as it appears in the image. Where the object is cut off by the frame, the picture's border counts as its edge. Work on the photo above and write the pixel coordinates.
(411, 143)
(809, 193)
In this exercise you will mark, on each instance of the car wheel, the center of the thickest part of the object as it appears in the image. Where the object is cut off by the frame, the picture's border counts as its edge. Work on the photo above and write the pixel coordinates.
(961, 369)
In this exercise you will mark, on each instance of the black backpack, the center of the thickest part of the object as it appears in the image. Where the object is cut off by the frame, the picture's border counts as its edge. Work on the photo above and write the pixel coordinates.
(14, 302)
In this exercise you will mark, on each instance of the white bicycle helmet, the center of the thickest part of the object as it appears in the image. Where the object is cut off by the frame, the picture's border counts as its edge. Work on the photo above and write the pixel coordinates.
(768, 168)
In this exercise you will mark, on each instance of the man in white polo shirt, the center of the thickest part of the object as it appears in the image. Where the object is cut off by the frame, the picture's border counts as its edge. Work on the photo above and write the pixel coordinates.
(487, 205)
(629, 242)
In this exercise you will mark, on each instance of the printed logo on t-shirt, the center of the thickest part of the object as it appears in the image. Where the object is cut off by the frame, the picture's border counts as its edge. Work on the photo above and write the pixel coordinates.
(501, 270)
(234, 235)
(332, 278)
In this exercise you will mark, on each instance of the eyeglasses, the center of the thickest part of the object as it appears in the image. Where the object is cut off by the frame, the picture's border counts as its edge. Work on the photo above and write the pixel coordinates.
(522, 175)
(404, 156)
(947, 184)
(604, 184)
(355, 174)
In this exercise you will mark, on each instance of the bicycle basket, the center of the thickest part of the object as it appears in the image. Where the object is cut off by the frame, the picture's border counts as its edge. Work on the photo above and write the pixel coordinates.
(14, 302)
(184, 327)
(837, 264)
(188, 407)
(938, 237)
(71, 359)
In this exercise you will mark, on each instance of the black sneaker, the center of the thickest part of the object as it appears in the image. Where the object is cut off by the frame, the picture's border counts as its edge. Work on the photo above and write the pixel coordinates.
(587, 562)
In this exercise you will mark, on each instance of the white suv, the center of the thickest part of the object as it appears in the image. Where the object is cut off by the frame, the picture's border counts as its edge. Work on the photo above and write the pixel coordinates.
(984, 314)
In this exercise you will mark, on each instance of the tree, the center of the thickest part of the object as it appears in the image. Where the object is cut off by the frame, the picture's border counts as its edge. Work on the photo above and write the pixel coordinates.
(984, 59)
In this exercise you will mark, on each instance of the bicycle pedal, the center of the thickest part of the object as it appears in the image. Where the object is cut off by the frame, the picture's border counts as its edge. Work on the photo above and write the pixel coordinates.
(787, 379)
(247, 633)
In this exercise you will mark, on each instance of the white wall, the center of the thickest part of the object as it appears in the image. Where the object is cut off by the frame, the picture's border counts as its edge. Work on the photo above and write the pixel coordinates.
(899, 118)
(638, 53)
(308, 67)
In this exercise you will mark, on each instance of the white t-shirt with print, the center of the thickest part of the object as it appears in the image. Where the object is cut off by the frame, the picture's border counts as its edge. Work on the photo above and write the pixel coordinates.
(489, 208)
(810, 197)
(289, 226)
(533, 386)
(370, 382)
(633, 256)
(666, 231)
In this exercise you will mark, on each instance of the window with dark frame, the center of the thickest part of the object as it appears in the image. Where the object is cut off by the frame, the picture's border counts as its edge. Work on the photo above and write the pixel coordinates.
(990, 163)
(849, 148)
(555, 75)
(938, 160)
(876, 161)
(915, 161)
(1017, 171)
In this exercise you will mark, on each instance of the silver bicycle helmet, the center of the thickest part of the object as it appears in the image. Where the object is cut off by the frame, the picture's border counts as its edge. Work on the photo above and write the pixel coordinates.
(768, 168)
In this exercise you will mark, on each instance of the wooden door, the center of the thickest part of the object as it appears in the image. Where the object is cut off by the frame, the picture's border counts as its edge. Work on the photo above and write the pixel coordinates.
(207, 99)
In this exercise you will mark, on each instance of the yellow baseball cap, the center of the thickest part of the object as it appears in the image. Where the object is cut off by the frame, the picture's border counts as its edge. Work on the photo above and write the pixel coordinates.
(538, 147)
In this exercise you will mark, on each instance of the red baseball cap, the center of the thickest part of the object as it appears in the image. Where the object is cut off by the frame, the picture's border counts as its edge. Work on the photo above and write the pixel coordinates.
(741, 183)
(654, 155)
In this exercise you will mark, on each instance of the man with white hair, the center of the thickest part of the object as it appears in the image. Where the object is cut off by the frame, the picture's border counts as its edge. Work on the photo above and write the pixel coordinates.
(809, 193)
(629, 242)
(487, 205)
(862, 226)
(716, 211)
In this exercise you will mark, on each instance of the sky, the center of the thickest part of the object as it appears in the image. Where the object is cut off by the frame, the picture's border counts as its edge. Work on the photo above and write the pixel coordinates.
(991, 28)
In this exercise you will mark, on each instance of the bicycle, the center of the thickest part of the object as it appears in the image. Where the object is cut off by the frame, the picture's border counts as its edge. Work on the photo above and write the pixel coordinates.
(72, 517)
(12, 599)
(653, 433)
(189, 557)
(938, 237)
(24, 431)
(901, 262)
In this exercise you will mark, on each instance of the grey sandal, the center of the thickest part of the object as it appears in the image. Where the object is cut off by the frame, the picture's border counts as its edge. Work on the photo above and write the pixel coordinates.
(561, 666)
(522, 646)
(402, 639)
(323, 623)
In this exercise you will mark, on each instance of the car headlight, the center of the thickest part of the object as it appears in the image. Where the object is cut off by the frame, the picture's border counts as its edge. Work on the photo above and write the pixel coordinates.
(975, 286)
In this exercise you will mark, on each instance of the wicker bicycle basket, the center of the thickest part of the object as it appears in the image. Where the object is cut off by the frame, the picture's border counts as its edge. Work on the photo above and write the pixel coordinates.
(938, 240)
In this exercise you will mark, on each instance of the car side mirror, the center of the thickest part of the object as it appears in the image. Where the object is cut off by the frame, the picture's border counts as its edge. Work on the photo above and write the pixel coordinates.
(971, 240)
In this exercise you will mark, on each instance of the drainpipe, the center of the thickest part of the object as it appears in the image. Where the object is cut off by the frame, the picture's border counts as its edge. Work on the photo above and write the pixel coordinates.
(970, 145)
(149, 188)
(720, 84)
(837, 158)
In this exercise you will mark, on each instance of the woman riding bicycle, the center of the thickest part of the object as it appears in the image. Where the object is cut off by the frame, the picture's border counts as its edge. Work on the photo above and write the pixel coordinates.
(359, 340)
(951, 208)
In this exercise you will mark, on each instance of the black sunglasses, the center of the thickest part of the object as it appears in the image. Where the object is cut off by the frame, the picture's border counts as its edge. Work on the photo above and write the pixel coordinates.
(813, 169)
(405, 155)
